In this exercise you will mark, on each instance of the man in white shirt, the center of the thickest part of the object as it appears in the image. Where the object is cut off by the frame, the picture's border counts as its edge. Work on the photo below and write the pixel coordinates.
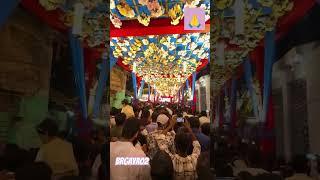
(125, 149)
(204, 118)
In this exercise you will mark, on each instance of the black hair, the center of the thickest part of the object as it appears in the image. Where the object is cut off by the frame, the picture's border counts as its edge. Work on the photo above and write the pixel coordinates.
(120, 119)
(34, 171)
(183, 142)
(145, 114)
(154, 116)
(125, 101)
(194, 122)
(205, 129)
(161, 166)
(130, 128)
(114, 111)
(48, 126)
(203, 113)
(300, 164)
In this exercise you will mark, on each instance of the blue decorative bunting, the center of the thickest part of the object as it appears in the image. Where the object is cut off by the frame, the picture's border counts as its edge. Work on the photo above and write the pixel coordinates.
(134, 83)
(101, 87)
(187, 84)
(141, 88)
(194, 75)
(268, 63)
(233, 100)
(248, 78)
(78, 70)
(113, 61)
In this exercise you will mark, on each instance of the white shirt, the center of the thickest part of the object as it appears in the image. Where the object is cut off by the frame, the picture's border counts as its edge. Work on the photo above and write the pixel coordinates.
(122, 172)
(204, 119)
(299, 177)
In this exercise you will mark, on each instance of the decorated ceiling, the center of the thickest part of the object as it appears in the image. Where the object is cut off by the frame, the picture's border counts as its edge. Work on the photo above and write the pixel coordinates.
(146, 10)
(238, 27)
(164, 61)
(143, 11)
(230, 46)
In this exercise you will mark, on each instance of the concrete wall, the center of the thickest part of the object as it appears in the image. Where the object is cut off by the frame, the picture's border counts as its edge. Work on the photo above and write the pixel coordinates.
(25, 58)
(302, 63)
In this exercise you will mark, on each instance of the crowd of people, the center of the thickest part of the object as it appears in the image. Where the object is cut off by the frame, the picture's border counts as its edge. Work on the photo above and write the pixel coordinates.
(175, 140)
(243, 159)
(60, 157)
(178, 144)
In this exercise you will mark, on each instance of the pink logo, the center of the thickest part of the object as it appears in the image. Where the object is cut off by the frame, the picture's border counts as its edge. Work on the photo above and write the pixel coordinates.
(194, 19)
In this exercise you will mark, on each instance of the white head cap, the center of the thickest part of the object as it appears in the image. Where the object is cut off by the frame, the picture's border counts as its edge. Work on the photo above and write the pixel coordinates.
(162, 119)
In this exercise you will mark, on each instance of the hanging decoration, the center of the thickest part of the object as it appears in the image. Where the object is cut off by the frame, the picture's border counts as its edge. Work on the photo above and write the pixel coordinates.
(268, 64)
(241, 29)
(164, 60)
(77, 18)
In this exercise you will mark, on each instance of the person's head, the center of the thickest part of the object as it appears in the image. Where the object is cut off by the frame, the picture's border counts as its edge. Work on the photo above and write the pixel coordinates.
(300, 164)
(120, 119)
(154, 116)
(203, 113)
(131, 129)
(203, 166)
(114, 111)
(183, 142)
(163, 121)
(125, 102)
(47, 130)
(34, 171)
(205, 129)
(194, 122)
(161, 166)
(145, 117)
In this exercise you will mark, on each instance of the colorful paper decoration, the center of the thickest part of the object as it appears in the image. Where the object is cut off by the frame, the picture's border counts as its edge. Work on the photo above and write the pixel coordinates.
(259, 16)
(160, 60)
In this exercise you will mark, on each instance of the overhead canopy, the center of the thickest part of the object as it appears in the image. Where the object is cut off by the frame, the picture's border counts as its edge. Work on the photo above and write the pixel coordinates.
(163, 61)
(138, 19)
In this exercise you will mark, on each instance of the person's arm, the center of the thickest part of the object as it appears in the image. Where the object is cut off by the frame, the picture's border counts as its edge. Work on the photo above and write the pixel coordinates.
(172, 122)
(196, 145)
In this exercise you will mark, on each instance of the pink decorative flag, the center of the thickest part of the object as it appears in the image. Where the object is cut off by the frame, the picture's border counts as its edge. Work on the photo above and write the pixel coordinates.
(194, 19)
